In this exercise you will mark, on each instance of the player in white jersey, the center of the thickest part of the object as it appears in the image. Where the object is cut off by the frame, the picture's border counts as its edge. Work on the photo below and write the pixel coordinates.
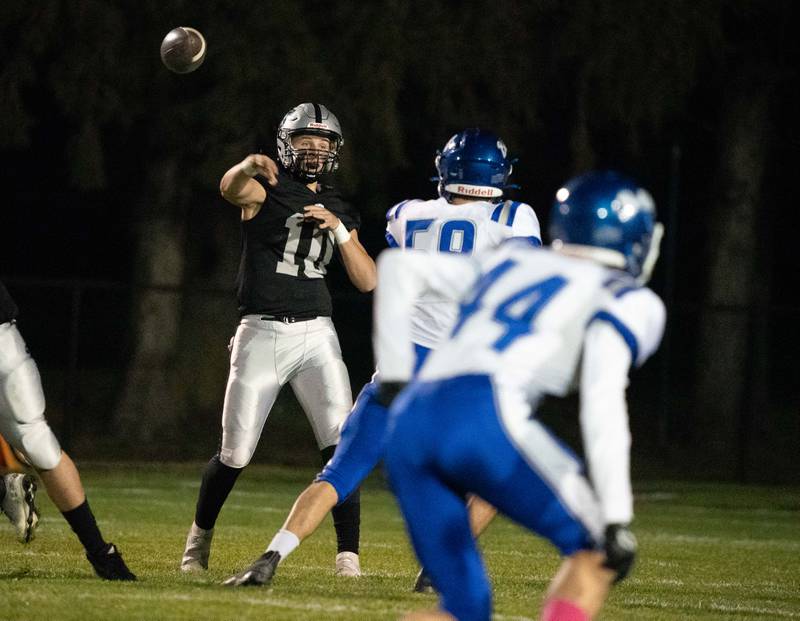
(460, 225)
(469, 216)
(530, 321)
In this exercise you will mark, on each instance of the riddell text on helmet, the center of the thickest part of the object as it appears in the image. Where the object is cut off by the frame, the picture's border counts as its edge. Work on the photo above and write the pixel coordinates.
(471, 190)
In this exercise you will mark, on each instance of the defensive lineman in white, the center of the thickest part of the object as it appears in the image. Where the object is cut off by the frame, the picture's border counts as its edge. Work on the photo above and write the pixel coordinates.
(530, 320)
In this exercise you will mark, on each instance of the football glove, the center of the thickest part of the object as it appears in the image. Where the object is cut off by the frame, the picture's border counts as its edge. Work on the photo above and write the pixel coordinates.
(387, 391)
(620, 548)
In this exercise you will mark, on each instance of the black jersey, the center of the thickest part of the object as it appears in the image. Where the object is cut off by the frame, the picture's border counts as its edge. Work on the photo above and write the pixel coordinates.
(8, 310)
(284, 258)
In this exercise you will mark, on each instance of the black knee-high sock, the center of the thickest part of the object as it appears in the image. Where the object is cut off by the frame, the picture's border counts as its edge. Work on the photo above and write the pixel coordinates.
(347, 522)
(217, 483)
(82, 521)
(346, 515)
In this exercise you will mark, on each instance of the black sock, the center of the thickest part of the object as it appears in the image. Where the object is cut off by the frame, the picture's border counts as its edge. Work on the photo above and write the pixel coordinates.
(82, 521)
(346, 515)
(347, 522)
(218, 481)
(2, 488)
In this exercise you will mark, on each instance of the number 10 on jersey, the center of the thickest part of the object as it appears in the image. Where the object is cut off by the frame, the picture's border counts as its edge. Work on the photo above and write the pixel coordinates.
(308, 249)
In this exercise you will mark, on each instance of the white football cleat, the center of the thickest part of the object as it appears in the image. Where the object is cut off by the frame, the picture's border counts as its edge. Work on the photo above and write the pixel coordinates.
(18, 504)
(198, 549)
(347, 565)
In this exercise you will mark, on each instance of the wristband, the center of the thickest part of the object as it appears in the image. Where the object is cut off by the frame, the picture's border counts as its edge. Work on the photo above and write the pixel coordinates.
(249, 168)
(341, 234)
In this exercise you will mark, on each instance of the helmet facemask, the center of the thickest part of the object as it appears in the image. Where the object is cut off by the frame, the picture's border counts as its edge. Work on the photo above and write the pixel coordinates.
(305, 163)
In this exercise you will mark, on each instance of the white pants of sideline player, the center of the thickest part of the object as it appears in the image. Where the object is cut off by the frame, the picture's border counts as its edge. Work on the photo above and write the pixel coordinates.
(22, 403)
(265, 355)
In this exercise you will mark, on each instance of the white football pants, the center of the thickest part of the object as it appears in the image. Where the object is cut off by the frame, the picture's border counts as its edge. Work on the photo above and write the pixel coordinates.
(265, 355)
(22, 421)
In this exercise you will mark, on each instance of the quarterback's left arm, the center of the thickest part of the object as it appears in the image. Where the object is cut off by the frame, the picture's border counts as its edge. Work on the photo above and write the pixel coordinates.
(359, 265)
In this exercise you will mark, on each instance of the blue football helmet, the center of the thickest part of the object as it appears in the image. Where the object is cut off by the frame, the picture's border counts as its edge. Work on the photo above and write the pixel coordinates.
(610, 218)
(474, 163)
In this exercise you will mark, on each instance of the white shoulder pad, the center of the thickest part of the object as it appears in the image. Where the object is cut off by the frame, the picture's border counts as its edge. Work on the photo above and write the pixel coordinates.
(526, 224)
(397, 209)
(395, 225)
(520, 217)
(638, 315)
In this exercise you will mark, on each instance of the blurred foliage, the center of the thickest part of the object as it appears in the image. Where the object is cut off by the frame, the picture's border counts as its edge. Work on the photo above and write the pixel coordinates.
(398, 74)
(401, 76)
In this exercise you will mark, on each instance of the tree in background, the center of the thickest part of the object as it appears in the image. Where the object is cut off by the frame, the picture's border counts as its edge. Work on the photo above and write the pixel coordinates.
(753, 67)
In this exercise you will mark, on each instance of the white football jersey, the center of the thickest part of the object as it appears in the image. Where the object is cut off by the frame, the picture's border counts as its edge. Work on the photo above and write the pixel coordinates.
(437, 226)
(527, 317)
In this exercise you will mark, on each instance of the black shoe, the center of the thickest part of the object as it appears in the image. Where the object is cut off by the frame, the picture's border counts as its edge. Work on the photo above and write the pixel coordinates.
(259, 573)
(423, 583)
(108, 564)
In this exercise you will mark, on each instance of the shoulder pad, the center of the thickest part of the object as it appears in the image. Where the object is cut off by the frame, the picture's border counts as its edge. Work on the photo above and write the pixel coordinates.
(394, 212)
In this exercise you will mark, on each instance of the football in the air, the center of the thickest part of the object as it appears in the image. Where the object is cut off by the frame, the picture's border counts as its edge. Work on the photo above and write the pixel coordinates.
(183, 49)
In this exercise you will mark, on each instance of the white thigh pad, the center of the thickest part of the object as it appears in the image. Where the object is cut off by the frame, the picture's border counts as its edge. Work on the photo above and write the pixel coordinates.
(253, 385)
(322, 385)
(22, 420)
(22, 392)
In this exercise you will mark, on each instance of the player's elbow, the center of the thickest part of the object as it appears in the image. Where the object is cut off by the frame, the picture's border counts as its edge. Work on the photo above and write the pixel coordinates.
(225, 190)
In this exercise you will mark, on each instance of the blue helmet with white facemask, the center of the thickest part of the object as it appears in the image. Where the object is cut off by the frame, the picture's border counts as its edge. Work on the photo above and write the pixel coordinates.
(610, 218)
(474, 164)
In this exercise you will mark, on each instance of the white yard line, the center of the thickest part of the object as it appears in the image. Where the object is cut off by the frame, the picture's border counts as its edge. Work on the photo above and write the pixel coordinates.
(651, 602)
(782, 544)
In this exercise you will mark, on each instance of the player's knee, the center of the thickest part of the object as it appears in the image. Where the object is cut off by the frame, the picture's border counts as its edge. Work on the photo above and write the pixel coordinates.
(236, 458)
(342, 489)
(353, 498)
(329, 435)
(38, 444)
(23, 421)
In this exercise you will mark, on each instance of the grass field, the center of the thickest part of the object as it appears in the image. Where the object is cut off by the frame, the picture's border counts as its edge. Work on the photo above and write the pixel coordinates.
(707, 552)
